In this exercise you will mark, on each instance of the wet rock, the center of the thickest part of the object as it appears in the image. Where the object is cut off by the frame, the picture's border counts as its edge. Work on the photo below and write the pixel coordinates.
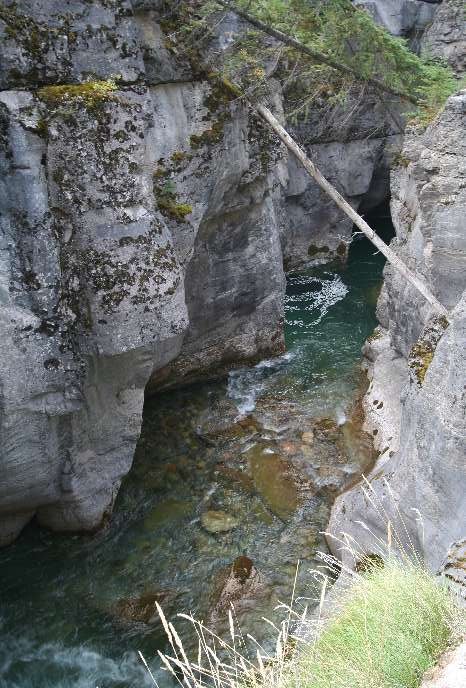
(233, 476)
(240, 585)
(142, 609)
(299, 543)
(326, 428)
(218, 521)
(221, 424)
(242, 568)
(308, 437)
(166, 512)
(288, 448)
(274, 481)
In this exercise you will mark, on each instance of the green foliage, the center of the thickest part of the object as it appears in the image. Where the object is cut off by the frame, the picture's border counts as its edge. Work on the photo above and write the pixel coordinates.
(392, 626)
(342, 32)
(167, 199)
(388, 626)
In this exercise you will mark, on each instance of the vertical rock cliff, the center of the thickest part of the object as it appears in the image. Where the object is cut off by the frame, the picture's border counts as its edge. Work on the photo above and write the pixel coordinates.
(415, 406)
(138, 230)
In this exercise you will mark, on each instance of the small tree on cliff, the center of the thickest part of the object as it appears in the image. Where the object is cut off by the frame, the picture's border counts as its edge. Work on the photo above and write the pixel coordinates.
(324, 48)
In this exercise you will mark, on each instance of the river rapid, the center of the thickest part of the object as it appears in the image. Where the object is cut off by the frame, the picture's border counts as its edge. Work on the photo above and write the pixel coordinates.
(230, 479)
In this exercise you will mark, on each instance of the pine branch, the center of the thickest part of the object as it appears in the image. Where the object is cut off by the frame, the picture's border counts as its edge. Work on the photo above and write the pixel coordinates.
(315, 55)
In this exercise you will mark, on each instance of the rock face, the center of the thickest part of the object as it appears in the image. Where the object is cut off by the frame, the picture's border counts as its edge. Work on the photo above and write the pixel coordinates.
(450, 671)
(422, 462)
(137, 227)
(401, 17)
(144, 223)
(446, 37)
(354, 153)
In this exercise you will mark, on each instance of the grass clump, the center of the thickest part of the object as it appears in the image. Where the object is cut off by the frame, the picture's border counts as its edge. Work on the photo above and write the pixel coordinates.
(394, 623)
(389, 626)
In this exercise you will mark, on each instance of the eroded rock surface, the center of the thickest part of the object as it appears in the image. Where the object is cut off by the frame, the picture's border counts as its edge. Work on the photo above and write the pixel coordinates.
(401, 17)
(418, 482)
(354, 152)
(137, 227)
(445, 37)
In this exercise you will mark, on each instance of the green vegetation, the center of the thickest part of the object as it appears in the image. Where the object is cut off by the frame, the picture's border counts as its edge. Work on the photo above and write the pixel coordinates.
(314, 250)
(422, 352)
(208, 136)
(90, 93)
(391, 625)
(340, 32)
(167, 199)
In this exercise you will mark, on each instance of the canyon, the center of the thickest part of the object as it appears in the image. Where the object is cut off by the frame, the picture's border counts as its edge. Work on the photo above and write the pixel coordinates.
(145, 237)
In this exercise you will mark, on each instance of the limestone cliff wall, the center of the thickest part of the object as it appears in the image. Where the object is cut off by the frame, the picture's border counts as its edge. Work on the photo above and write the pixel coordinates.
(143, 235)
(416, 404)
(138, 228)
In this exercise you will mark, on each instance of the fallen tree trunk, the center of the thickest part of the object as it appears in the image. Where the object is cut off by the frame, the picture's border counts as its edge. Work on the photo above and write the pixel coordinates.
(315, 55)
(309, 166)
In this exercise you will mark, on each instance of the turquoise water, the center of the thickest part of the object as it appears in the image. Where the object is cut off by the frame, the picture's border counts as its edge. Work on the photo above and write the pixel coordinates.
(75, 610)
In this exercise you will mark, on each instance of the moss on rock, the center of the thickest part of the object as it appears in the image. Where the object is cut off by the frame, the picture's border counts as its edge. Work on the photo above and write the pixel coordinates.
(89, 93)
(422, 352)
(314, 250)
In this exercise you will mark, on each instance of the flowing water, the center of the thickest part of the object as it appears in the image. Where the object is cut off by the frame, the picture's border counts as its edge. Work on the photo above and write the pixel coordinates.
(231, 485)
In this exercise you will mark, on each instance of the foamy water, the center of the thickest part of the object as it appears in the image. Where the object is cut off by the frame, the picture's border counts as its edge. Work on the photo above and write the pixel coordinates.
(68, 666)
(246, 385)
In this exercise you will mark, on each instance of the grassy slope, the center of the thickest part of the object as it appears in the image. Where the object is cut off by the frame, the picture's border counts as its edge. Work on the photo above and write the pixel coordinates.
(392, 626)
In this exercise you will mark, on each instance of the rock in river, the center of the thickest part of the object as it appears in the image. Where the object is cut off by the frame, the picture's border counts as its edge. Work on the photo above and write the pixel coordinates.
(218, 521)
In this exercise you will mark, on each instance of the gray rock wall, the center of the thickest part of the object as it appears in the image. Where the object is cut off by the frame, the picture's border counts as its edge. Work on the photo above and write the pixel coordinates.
(354, 149)
(354, 145)
(445, 36)
(137, 228)
(416, 400)
(401, 17)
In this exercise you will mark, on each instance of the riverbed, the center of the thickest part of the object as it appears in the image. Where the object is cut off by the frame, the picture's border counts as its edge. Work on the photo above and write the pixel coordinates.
(237, 474)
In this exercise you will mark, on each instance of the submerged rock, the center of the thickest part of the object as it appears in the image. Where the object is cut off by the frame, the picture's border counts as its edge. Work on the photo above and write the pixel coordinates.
(308, 437)
(239, 585)
(142, 609)
(273, 480)
(166, 512)
(218, 521)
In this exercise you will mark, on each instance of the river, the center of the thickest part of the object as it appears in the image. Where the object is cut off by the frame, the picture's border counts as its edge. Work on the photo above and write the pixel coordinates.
(262, 454)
